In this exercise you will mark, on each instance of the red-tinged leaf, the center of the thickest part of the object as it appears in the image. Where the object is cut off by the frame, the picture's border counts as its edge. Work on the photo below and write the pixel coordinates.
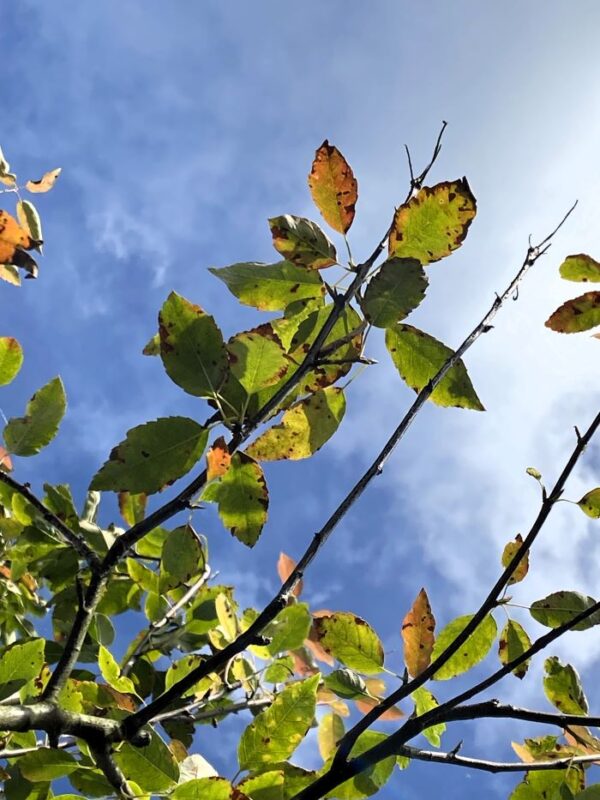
(418, 635)
(579, 314)
(509, 553)
(285, 567)
(6, 464)
(333, 187)
(45, 183)
(365, 704)
(218, 459)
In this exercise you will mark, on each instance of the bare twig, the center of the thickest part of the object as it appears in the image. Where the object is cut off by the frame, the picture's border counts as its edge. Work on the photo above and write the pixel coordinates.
(215, 713)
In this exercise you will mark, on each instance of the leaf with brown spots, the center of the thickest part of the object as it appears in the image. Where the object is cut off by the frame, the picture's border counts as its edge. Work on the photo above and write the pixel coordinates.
(559, 607)
(579, 314)
(302, 242)
(256, 358)
(14, 242)
(45, 183)
(509, 553)
(513, 642)
(29, 218)
(590, 503)
(351, 640)
(285, 566)
(563, 688)
(418, 635)
(333, 187)
(11, 359)
(580, 268)
(218, 459)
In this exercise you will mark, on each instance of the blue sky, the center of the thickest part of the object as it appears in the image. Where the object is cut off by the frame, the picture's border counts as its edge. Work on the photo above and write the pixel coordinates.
(181, 127)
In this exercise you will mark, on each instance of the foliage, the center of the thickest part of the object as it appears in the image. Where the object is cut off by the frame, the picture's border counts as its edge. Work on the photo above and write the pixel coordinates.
(274, 392)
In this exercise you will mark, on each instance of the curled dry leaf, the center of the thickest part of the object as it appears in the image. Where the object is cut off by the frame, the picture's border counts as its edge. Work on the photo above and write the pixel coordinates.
(45, 183)
(285, 567)
(218, 459)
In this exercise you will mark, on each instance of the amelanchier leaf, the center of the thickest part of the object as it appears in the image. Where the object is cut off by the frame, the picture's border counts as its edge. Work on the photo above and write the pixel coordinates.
(509, 552)
(331, 730)
(351, 640)
(563, 688)
(132, 507)
(581, 268)
(286, 327)
(590, 503)
(553, 784)
(393, 292)
(579, 314)
(418, 357)
(206, 788)
(29, 218)
(560, 607)
(302, 242)
(152, 456)
(257, 358)
(47, 765)
(425, 701)
(434, 222)
(20, 663)
(266, 786)
(513, 642)
(153, 767)
(276, 732)
(270, 287)
(346, 683)
(333, 187)
(191, 347)
(111, 673)
(11, 359)
(182, 558)
(474, 650)
(304, 428)
(418, 635)
(26, 436)
(242, 497)
(372, 779)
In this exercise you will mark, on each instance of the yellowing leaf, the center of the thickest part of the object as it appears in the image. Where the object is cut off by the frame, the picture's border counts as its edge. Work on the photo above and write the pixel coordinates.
(563, 687)
(218, 459)
(418, 635)
(424, 702)
(256, 358)
(10, 274)
(590, 503)
(514, 641)
(285, 567)
(351, 640)
(509, 553)
(302, 242)
(45, 183)
(560, 607)
(27, 435)
(579, 314)
(132, 507)
(333, 187)
(474, 650)
(29, 218)
(6, 464)
(13, 238)
(580, 268)
(111, 672)
(11, 359)
(331, 729)
(434, 222)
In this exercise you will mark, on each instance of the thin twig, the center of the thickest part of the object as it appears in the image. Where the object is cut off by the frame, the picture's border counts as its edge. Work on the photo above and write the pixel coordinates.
(215, 713)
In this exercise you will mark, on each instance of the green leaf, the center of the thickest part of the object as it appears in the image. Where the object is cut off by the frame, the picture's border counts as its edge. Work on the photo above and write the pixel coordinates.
(418, 357)
(580, 268)
(28, 217)
(425, 701)
(242, 497)
(191, 347)
(11, 359)
(132, 507)
(152, 346)
(351, 640)
(589, 793)
(304, 428)
(474, 650)
(393, 292)
(434, 222)
(346, 684)
(20, 663)
(590, 503)
(153, 767)
(26, 436)
(179, 669)
(267, 786)
(111, 672)
(559, 784)
(333, 187)
(301, 241)
(279, 670)
(559, 607)
(563, 688)
(152, 456)
(514, 641)
(275, 733)
(257, 358)
(46, 765)
(370, 780)
(182, 558)
(205, 788)
(331, 730)
(288, 630)
(270, 287)
(579, 314)
(286, 327)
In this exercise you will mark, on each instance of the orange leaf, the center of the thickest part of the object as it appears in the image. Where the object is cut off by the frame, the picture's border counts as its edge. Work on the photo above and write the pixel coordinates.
(218, 459)
(45, 183)
(313, 644)
(6, 464)
(302, 665)
(12, 236)
(509, 553)
(285, 567)
(365, 704)
(418, 634)
(333, 187)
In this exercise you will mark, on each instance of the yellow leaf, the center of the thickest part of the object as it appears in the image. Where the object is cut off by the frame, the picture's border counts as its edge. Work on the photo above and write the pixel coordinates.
(508, 554)
(418, 635)
(333, 187)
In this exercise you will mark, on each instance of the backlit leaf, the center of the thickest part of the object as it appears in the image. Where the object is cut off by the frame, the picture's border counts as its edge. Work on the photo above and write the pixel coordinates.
(563, 688)
(152, 456)
(153, 767)
(20, 663)
(288, 630)
(270, 287)
(296, 313)
(434, 222)
(257, 358)
(10, 274)
(394, 291)
(365, 704)
(304, 428)
(580, 268)
(218, 459)
(152, 346)
(514, 641)
(132, 507)
(182, 558)
(276, 732)
(285, 567)
(509, 552)
(191, 347)
(418, 635)
(333, 187)
(418, 357)
(425, 701)
(346, 683)
(6, 464)
(11, 359)
(46, 765)
(45, 183)
(242, 497)
(30, 221)
(555, 784)
(6, 176)
(560, 607)
(111, 673)
(266, 786)
(371, 779)
(26, 436)
(351, 640)
(331, 730)
(579, 314)
(474, 650)
(302, 242)
(590, 503)
(205, 788)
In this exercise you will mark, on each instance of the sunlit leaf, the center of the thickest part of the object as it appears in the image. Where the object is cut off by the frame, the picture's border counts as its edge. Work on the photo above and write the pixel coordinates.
(333, 187)
(26, 436)
(474, 650)
(46, 765)
(331, 730)
(20, 663)
(295, 314)
(418, 357)
(45, 183)
(152, 346)
(509, 552)
(10, 274)
(257, 358)
(418, 635)
(30, 221)
(132, 507)
(152, 767)
(559, 784)
(590, 503)
(513, 642)
(288, 630)
(285, 566)
(111, 673)
(6, 464)
(218, 459)
(302, 242)
(578, 314)
(563, 688)
(270, 287)
(266, 786)
(6, 176)
(425, 701)
(559, 608)
(351, 640)
(534, 473)
(581, 268)
(434, 222)
(205, 788)
(152, 456)
(11, 359)
(394, 291)
(182, 558)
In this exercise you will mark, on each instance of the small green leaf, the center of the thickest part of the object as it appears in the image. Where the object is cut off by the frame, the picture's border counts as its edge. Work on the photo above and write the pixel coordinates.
(26, 436)
(372, 779)
(579, 314)
(590, 503)
(560, 607)
(191, 347)
(580, 268)
(331, 730)
(11, 359)
(563, 688)
(534, 473)
(270, 287)
(425, 701)
(20, 663)
(257, 358)
(242, 497)
(418, 357)
(304, 428)
(396, 290)
(514, 641)
(434, 222)
(153, 767)
(152, 456)
(346, 684)
(474, 650)
(351, 640)
(276, 732)
(301, 241)
(111, 672)
(182, 558)
(46, 765)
